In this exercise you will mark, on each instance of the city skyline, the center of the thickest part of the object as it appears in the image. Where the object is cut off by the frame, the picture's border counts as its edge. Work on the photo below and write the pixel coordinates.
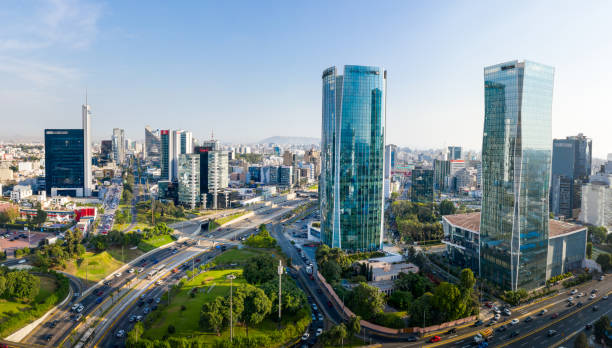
(137, 75)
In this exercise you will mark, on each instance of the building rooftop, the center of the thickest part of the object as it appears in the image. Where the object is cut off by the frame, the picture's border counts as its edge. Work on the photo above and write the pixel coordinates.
(471, 221)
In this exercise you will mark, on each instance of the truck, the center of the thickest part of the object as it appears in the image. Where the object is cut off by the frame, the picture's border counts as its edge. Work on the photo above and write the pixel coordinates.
(483, 335)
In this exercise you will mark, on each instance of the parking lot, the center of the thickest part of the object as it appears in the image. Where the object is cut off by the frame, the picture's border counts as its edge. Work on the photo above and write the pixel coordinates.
(12, 240)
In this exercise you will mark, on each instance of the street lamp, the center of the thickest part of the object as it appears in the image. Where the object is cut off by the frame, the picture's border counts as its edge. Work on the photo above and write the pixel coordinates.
(231, 277)
(280, 273)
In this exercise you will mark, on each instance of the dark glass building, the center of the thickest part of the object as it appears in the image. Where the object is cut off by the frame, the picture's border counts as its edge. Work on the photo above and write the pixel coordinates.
(352, 157)
(166, 154)
(516, 160)
(571, 167)
(422, 189)
(64, 162)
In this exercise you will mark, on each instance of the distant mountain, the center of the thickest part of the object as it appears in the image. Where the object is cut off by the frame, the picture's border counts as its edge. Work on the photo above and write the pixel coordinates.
(290, 140)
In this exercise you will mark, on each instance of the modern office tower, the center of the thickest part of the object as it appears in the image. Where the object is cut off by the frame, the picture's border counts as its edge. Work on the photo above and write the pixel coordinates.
(352, 157)
(441, 172)
(214, 173)
(597, 201)
(212, 144)
(189, 180)
(87, 181)
(64, 162)
(422, 189)
(571, 166)
(288, 158)
(152, 150)
(106, 151)
(119, 145)
(167, 154)
(516, 160)
(186, 142)
(274, 175)
(285, 176)
(254, 174)
(454, 153)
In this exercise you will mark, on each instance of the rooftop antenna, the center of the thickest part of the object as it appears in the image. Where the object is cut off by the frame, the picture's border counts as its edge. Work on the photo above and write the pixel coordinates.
(212, 134)
(85, 95)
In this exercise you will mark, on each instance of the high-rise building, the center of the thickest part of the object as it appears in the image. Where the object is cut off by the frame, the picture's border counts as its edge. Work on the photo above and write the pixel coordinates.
(571, 166)
(454, 153)
(422, 189)
(88, 185)
(119, 145)
(64, 162)
(214, 173)
(186, 142)
(352, 157)
(390, 151)
(597, 201)
(516, 160)
(167, 154)
(288, 158)
(106, 151)
(441, 172)
(285, 176)
(189, 180)
(152, 151)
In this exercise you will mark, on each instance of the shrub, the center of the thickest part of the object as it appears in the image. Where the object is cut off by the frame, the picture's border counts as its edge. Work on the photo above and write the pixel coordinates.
(171, 329)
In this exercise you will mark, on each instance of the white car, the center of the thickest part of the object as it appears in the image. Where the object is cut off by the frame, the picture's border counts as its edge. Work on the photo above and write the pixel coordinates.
(580, 294)
(118, 274)
(574, 291)
(131, 270)
(507, 311)
(319, 332)
(514, 322)
(570, 299)
(120, 333)
(305, 336)
(592, 296)
(497, 316)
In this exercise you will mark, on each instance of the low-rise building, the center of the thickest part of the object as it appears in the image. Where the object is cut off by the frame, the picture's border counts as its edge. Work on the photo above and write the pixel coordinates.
(20, 192)
(566, 243)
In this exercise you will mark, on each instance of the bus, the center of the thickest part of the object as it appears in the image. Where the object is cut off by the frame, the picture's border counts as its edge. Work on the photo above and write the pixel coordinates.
(155, 270)
(87, 336)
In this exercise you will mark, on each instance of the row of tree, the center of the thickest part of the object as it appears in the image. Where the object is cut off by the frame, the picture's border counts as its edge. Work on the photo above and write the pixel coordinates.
(335, 264)
(417, 221)
(262, 239)
(18, 285)
(53, 255)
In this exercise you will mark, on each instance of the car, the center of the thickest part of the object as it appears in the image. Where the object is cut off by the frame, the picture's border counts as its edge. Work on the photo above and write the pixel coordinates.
(139, 318)
(159, 282)
(319, 332)
(329, 304)
(528, 319)
(574, 291)
(488, 304)
(588, 326)
(593, 291)
(80, 309)
(554, 316)
(507, 312)
(543, 311)
(412, 338)
(130, 271)
(314, 306)
(601, 278)
(595, 308)
(496, 311)
(592, 296)
(497, 317)
(107, 282)
(514, 321)
(580, 294)
(146, 310)
(478, 323)
(514, 333)
(157, 300)
(570, 303)
(501, 328)
(579, 304)
(99, 300)
(551, 333)
(150, 300)
(435, 339)
(320, 317)
(118, 274)
(311, 277)
(132, 318)
(78, 317)
(53, 323)
(120, 333)
(451, 331)
(605, 297)
(99, 292)
(570, 299)
(74, 307)
(47, 337)
(305, 336)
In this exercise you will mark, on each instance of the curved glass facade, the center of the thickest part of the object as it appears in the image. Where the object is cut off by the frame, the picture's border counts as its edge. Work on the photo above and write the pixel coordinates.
(352, 157)
(516, 159)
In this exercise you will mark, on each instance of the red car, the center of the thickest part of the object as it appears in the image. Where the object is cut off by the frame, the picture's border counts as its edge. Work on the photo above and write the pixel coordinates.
(99, 292)
(435, 339)
(311, 277)
(329, 304)
(555, 315)
(488, 304)
(198, 260)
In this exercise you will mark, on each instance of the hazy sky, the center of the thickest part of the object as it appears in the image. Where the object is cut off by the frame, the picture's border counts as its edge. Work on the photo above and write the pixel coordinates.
(252, 69)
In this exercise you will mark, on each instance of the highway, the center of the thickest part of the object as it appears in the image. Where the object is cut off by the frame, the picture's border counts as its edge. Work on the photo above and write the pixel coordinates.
(118, 318)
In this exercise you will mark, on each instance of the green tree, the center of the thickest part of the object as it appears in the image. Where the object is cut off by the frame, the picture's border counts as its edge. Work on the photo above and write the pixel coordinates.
(260, 269)
(40, 218)
(581, 341)
(22, 285)
(134, 335)
(414, 283)
(332, 271)
(365, 300)
(589, 250)
(601, 325)
(293, 299)
(447, 207)
(2, 285)
(605, 261)
(353, 326)
(335, 336)
(448, 300)
(422, 312)
(256, 307)
(211, 316)
(400, 299)
(467, 280)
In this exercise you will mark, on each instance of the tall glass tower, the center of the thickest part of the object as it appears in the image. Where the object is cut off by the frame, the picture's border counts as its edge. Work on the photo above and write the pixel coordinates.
(352, 157)
(516, 160)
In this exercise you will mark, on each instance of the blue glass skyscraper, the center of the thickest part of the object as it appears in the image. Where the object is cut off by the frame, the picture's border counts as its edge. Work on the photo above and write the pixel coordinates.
(352, 157)
(516, 160)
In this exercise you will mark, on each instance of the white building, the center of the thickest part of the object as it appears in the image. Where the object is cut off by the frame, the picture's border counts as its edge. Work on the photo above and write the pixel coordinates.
(20, 192)
(596, 208)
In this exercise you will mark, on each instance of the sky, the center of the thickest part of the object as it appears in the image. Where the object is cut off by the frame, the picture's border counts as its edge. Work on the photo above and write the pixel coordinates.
(248, 70)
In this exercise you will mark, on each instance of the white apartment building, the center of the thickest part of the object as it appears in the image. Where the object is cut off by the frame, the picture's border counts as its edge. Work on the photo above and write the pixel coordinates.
(596, 207)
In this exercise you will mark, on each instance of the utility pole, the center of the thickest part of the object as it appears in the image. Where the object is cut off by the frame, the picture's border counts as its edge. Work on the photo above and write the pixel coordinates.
(280, 273)
(231, 277)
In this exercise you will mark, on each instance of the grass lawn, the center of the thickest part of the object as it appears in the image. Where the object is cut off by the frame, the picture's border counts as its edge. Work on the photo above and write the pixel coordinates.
(186, 322)
(155, 242)
(9, 307)
(240, 256)
(221, 221)
(97, 266)
(128, 253)
(47, 287)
